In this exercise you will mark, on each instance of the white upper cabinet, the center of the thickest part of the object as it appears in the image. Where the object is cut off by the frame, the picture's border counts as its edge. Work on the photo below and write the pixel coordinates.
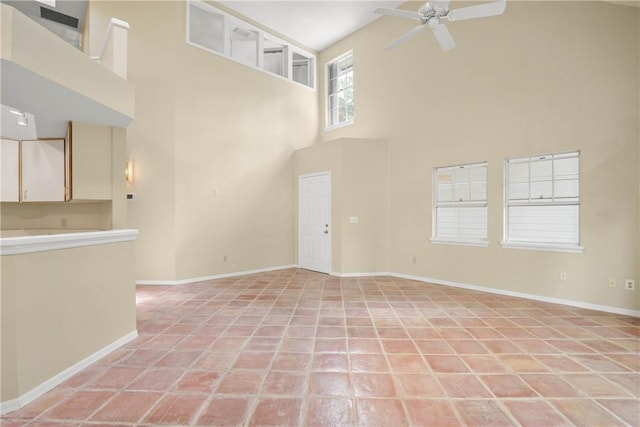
(9, 159)
(43, 170)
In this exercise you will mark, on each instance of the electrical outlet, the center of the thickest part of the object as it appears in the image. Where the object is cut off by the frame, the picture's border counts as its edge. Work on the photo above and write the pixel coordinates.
(629, 284)
(612, 282)
(563, 275)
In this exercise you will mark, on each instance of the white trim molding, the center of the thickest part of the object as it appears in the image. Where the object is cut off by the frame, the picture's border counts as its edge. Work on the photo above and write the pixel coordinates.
(53, 242)
(552, 300)
(36, 392)
(212, 277)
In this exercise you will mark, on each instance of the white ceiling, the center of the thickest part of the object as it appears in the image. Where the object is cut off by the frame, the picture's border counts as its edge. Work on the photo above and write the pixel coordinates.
(314, 24)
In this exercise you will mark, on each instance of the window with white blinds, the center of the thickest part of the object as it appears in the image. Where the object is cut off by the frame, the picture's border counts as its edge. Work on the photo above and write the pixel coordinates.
(542, 202)
(460, 204)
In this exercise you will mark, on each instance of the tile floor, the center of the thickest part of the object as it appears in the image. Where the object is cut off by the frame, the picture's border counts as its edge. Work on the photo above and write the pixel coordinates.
(295, 348)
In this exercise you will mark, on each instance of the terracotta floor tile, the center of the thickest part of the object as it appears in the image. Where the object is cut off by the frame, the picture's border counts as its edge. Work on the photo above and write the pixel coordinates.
(156, 380)
(380, 412)
(199, 381)
(550, 385)
(277, 412)
(368, 363)
(373, 385)
(418, 385)
(629, 381)
(42, 404)
(175, 409)
(330, 362)
(365, 346)
(626, 409)
(292, 361)
(293, 347)
(585, 412)
(399, 346)
(482, 413)
(407, 363)
(116, 377)
(484, 364)
(285, 383)
(225, 412)
(330, 345)
(253, 360)
(178, 359)
(595, 386)
(507, 386)
(431, 413)
(446, 364)
(330, 384)
(330, 412)
(241, 382)
(463, 386)
(128, 406)
(535, 413)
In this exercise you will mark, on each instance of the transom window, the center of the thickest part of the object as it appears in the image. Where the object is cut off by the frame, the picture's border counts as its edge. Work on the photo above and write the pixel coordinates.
(460, 204)
(340, 106)
(218, 32)
(542, 202)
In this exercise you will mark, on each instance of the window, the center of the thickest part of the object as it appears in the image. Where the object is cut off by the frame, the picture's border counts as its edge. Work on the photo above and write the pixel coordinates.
(460, 205)
(218, 32)
(542, 202)
(340, 91)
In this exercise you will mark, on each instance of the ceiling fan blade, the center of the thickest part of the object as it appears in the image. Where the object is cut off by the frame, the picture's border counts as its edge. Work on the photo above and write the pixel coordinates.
(444, 38)
(406, 36)
(398, 12)
(479, 11)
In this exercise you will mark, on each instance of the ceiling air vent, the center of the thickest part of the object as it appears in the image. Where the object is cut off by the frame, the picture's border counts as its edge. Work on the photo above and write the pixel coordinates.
(61, 18)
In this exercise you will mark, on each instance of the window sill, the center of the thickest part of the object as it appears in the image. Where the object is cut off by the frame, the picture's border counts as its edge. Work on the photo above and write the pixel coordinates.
(543, 247)
(339, 125)
(477, 243)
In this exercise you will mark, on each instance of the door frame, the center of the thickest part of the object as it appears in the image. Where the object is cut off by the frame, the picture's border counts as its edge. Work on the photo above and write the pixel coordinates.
(330, 200)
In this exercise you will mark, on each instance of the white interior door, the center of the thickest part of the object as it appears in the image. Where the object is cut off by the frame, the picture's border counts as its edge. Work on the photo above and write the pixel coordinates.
(314, 222)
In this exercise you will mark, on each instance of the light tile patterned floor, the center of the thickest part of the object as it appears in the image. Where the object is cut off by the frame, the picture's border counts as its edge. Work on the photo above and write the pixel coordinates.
(296, 348)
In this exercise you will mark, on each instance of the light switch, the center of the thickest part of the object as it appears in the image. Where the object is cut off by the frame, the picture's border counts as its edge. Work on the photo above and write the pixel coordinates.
(353, 219)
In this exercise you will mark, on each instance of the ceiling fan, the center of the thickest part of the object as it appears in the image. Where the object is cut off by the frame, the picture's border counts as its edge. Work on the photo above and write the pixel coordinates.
(432, 13)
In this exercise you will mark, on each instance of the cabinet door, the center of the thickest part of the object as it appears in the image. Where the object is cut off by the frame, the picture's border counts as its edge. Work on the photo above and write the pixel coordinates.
(43, 165)
(9, 159)
(90, 162)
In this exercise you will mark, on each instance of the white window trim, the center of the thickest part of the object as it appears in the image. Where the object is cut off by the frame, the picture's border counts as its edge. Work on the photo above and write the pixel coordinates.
(460, 242)
(328, 127)
(228, 21)
(463, 241)
(551, 247)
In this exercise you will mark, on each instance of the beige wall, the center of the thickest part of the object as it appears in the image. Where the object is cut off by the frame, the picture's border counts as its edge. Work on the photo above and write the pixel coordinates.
(205, 122)
(359, 188)
(528, 82)
(46, 329)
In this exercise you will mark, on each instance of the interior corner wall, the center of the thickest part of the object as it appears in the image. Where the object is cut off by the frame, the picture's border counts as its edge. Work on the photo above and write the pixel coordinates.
(152, 68)
(359, 190)
(212, 145)
(525, 83)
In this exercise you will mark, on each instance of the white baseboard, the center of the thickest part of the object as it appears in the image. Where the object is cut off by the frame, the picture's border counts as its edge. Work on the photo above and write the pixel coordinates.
(375, 274)
(36, 392)
(213, 277)
(578, 304)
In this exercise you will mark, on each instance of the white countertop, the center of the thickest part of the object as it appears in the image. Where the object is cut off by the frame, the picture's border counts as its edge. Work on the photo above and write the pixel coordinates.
(52, 240)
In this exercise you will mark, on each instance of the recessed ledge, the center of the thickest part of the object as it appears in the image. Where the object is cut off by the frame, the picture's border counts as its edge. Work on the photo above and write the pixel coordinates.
(51, 242)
